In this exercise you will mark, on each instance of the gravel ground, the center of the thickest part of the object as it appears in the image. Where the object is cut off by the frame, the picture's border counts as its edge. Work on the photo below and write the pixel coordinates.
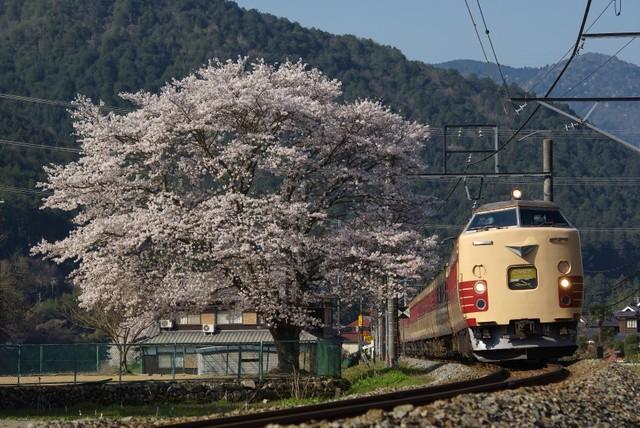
(597, 394)
(446, 372)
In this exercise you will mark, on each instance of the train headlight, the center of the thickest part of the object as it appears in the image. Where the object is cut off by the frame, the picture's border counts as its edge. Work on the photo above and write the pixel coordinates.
(480, 287)
(565, 283)
(516, 194)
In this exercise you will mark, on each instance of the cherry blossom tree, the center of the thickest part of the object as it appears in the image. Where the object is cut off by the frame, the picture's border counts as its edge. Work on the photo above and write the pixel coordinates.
(243, 182)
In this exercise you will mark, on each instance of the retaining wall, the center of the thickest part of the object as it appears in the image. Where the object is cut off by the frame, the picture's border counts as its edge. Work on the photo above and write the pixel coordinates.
(135, 393)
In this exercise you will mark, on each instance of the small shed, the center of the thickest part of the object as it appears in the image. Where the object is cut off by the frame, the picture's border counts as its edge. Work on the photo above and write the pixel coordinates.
(223, 353)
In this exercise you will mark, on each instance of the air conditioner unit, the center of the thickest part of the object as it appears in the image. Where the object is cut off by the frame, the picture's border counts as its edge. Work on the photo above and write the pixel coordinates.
(166, 324)
(208, 328)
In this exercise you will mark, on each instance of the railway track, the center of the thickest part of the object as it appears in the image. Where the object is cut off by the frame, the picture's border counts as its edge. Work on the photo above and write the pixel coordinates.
(498, 380)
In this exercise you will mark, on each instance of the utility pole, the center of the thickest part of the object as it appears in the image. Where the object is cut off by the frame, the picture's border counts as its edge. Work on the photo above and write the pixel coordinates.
(547, 168)
(392, 331)
(380, 333)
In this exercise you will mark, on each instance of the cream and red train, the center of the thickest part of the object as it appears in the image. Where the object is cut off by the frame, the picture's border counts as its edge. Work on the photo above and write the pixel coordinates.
(513, 289)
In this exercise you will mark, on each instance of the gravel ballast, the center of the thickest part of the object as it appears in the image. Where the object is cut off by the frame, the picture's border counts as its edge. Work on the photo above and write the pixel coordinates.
(596, 394)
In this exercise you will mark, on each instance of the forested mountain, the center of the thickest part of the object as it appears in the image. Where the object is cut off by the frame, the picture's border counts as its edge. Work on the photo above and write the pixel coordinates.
(54, 49)
(590, 74)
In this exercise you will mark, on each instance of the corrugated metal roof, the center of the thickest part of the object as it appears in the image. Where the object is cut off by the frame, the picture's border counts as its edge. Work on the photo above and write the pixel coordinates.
(220, 337)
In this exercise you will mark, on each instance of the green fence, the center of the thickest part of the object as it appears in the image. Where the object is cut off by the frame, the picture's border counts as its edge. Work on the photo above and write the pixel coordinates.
(86, 362)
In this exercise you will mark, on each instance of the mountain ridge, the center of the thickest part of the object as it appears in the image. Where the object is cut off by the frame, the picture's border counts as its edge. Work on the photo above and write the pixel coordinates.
(589, 75)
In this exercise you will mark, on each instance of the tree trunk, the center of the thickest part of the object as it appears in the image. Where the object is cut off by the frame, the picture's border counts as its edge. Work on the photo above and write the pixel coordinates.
(123, 350)
(287, 341)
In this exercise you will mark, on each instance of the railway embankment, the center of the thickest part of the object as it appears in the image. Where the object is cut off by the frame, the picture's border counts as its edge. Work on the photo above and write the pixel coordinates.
(596, 393)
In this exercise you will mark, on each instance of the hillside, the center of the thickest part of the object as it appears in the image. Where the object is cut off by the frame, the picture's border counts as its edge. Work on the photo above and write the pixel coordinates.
(590, 74)
(54, 49)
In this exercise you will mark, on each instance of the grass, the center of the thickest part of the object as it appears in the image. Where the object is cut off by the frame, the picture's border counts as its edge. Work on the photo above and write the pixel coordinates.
(366, 379)
(293, 402)
(634, 368)
(90, 411)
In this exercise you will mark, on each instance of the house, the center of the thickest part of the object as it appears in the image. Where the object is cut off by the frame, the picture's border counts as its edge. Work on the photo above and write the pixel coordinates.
(355, 334)
(621, 324)
(628, 319)
(219, 342)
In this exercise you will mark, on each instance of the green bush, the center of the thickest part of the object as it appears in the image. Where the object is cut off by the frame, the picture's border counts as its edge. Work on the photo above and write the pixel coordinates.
(631, 349)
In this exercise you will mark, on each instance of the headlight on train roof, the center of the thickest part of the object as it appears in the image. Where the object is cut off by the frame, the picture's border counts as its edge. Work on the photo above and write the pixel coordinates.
(480, 287)
(516, 194)
(565, 283)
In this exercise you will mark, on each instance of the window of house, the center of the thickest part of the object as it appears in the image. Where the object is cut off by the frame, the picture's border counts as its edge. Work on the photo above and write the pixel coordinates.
(189, 319)
(227, 317)
(632, 324)
(180, 361)
(164, 361)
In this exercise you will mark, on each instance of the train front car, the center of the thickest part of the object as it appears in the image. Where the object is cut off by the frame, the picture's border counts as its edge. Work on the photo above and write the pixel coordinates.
(520, 281)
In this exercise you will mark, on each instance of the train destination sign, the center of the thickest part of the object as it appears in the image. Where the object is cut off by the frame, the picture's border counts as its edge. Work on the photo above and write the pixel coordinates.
(523, 278)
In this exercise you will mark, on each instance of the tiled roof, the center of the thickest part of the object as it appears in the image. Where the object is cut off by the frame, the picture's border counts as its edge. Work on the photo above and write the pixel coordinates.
(197, 337)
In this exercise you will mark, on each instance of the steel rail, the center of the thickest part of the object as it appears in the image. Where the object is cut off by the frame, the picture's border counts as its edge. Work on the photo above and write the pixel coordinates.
(357, 406)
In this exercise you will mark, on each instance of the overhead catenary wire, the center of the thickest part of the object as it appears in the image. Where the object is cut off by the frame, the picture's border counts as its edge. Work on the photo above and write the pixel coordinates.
(551, 88)
(580, 228)
(493, 50)
(598, 68)
(475, 27)
(539, 80)
(33, 191)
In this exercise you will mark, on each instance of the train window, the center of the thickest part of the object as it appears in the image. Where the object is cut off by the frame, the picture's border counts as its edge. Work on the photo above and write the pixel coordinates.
(522, 277)
(537, 217)
(494, 219)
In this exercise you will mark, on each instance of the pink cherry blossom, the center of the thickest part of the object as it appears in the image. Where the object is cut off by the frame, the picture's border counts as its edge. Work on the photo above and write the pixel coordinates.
(242, 182)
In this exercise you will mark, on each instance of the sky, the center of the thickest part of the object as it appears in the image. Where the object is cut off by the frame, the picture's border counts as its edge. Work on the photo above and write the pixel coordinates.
(524, 32)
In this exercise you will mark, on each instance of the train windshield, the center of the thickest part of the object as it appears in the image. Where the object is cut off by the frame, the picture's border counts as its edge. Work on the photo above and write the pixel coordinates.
(495, 219)
(538, 217)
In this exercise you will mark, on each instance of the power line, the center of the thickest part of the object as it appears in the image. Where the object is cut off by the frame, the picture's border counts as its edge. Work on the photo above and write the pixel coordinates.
(598, 68)
(484, 52)
(580, 228)
(616, 285)
(58, 103)
(12, 189)
(475, 27)
(553, 85)
(495, 56)
(617, 268)
(557, 64)
(626, 298)
(39, 146)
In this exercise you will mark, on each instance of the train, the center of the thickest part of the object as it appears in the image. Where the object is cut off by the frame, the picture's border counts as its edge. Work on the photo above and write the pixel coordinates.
(512, 289)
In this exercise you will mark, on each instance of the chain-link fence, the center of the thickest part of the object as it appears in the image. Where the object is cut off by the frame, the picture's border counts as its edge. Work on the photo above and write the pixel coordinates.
(102, 362)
